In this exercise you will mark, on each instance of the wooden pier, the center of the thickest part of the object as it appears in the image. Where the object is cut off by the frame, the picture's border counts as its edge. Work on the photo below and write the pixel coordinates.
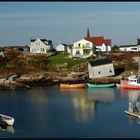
(135, 114)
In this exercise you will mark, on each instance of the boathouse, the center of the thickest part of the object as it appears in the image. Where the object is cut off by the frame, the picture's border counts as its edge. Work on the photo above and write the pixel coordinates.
(101, 68)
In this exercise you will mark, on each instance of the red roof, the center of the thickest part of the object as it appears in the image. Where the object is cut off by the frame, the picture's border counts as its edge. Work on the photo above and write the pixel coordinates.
(107, 42)
(98, 41)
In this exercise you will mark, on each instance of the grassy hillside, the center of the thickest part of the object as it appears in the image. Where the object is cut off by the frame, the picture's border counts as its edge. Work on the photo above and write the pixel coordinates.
(61, 58)
(22, 63)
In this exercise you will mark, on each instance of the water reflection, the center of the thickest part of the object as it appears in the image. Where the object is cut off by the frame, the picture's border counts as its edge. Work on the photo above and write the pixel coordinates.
(83, 109)
(84, 101)
(37, 95)
(133, 120)
(9, 129)
(101, 94)
(133, 103)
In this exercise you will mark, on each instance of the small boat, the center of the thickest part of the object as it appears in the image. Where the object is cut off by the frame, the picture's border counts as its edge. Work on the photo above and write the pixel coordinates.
(6, 120)
(65, 86)
(101, 85)
(133, 82)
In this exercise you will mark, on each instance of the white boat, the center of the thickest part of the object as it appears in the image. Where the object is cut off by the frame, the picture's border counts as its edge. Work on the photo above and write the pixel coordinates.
(6, 120)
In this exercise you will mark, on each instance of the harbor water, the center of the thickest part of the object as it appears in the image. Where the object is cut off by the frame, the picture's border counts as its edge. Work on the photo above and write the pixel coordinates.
(50, 112)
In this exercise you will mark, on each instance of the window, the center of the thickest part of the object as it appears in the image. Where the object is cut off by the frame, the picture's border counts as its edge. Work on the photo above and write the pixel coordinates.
(87, 45)
(99, 72)
(79, 44)
(77, 52)
(138, 80)
(134, 48)
(110, 71)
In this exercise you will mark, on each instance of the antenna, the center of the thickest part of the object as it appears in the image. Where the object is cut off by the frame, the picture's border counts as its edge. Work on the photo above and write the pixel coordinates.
(71, 41)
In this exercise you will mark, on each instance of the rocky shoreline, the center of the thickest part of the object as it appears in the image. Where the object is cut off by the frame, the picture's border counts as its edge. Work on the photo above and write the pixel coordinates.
(52, 78)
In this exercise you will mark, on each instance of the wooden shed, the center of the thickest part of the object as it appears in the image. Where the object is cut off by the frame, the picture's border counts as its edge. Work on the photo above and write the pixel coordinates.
(101, 68)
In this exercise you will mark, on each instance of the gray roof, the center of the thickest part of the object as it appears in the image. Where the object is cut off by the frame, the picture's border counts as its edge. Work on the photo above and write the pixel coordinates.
(126, 46)
(43, 40)
(100, 62)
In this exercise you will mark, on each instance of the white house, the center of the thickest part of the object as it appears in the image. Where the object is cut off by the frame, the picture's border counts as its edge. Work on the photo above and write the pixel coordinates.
(40, 45)
(130, 47)
(82, 49)
(61, 48)
(64, 48)
(101, 68)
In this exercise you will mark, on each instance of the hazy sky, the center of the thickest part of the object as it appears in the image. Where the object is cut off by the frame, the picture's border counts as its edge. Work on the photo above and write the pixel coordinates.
(67, 22)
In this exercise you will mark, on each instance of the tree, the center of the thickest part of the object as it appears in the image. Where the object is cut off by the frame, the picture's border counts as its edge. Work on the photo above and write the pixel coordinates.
(115, 48)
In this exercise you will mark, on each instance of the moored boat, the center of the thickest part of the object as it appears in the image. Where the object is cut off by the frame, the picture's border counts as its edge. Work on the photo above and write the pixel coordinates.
(65, 86)
(101, 85)
(133, 82)
(6, 120)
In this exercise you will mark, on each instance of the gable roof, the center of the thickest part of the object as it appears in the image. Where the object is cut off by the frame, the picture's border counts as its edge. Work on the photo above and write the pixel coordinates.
(98, 40)
(100, 62)
(64, 44)
(107, 42)
(43, 40)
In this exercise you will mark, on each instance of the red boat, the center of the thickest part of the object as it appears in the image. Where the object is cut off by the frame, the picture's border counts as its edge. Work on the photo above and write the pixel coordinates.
(133, 82)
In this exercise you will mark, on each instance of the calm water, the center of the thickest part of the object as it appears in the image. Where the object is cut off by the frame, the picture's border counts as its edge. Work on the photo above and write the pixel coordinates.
(49, 112)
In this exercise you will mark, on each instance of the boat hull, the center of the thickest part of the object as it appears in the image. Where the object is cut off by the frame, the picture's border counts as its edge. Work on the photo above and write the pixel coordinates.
(66, 86)
(6, 120)
(101, 86)
(126, 84)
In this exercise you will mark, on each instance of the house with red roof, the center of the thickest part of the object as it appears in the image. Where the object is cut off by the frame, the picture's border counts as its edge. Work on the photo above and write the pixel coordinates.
(88, 46)
(103, 45)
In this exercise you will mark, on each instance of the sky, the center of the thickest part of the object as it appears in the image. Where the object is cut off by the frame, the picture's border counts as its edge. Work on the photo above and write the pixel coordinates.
(67, 22)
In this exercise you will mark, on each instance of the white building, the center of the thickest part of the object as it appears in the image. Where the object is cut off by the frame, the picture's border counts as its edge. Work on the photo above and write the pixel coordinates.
(40, 45)
(64, 48)
(82, 49)
(61, 48)
(130, 47)
(101, 68)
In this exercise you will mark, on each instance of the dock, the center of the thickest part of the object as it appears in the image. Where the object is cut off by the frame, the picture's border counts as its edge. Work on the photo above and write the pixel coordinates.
(134, 114)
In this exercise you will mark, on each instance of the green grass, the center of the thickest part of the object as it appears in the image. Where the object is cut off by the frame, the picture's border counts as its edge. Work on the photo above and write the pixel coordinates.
(61, 58)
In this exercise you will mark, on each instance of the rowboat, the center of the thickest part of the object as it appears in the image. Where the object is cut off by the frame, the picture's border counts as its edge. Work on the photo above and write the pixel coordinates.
(101, 85)
(65, 86)
(6, 120)
(133, 82)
